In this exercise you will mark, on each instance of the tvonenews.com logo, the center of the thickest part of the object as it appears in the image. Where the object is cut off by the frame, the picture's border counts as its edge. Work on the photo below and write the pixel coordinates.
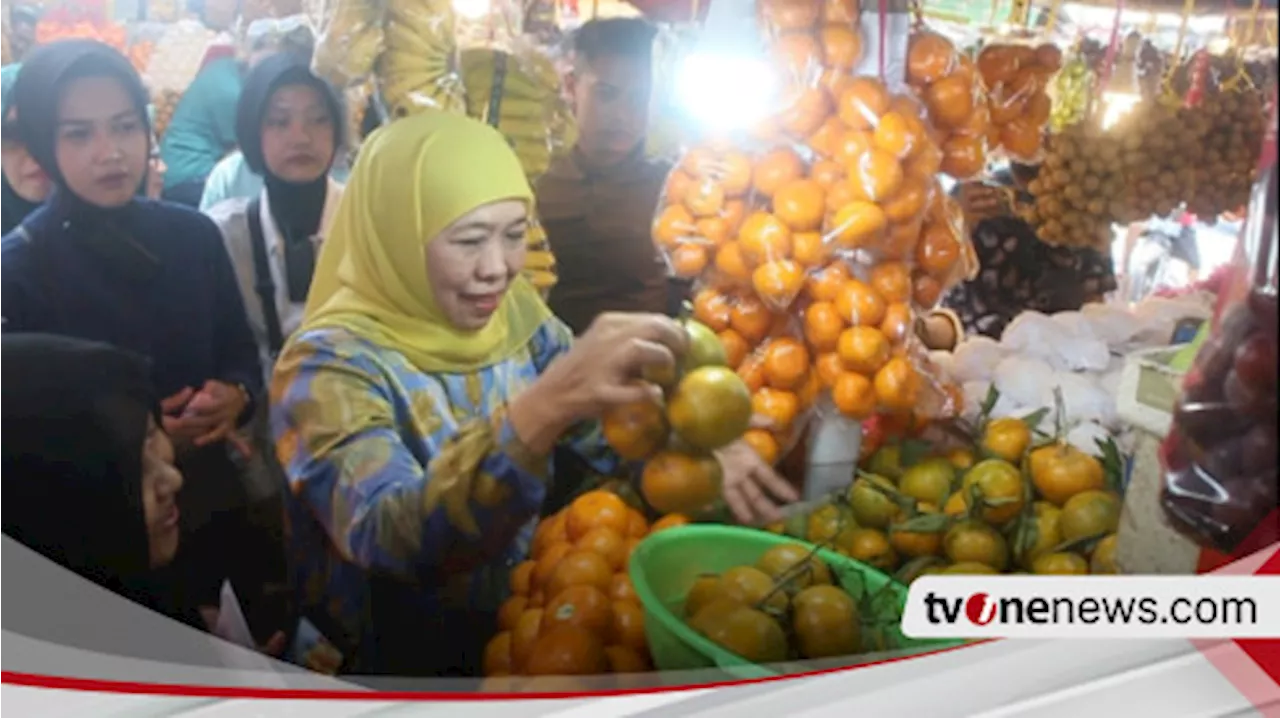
(1093, 607)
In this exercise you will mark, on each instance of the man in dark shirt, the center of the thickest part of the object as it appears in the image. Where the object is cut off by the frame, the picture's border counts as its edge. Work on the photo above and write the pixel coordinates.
(597, 202)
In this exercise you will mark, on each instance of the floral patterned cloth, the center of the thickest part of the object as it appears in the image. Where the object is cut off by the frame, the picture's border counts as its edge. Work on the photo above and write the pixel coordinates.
(411, 495)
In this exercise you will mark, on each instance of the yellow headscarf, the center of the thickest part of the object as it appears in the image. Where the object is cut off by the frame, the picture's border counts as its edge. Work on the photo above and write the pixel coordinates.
(413, 179)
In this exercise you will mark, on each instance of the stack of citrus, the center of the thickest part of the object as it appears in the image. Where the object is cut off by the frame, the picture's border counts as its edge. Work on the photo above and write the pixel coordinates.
(572, 609)
(1017, 79)
(952, 92)
(974, 510)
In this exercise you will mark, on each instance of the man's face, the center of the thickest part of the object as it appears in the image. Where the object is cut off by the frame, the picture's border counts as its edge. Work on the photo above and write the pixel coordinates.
(611, 98)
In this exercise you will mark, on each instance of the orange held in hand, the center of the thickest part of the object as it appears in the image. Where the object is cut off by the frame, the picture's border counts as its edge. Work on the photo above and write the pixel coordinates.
(635, 430)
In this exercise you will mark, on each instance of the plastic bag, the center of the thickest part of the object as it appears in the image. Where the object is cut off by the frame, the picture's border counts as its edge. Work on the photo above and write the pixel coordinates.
(785, 389)
(1220, 456)
(944, 253)
(419, 69)
(350, 41)
(518, 92)
(1017, 74)
(952, 91)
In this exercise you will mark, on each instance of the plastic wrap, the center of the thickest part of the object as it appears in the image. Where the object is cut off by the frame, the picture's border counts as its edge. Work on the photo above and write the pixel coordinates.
(944, 253)
(952, 91)
(518, 92)
(1017, 74)
(350, 41)
(1220, 456)
(419, 68)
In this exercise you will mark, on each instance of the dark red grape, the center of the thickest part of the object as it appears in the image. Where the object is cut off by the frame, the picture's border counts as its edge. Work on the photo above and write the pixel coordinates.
(1207, 422)
(1248, 400)
(1235, 323)
(1223, 461)
(1264, 306)
(1258, 452)
(1214, 360)
(1255, 361)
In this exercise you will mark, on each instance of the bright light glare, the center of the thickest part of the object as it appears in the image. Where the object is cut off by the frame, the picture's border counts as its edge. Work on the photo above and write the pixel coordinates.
(472, 9)
(726, 92)
(1118, 104)
(1219, 45)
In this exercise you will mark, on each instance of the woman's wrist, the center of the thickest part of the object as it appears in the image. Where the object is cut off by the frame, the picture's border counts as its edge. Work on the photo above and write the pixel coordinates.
(540, 416)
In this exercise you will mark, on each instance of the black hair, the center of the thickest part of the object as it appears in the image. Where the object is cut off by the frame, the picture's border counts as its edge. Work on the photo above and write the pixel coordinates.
(627, 37)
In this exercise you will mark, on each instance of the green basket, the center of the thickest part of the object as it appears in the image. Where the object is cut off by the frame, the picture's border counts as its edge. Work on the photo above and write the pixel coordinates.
(665, 565)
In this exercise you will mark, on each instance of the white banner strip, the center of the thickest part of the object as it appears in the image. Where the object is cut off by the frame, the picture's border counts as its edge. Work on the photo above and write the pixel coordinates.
(1093, 607)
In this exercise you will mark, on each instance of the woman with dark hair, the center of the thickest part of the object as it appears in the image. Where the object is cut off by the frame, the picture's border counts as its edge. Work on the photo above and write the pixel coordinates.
(23, 186)
(99, 262)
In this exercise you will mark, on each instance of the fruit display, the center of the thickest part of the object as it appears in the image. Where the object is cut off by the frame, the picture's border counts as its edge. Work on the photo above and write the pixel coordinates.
(418, 68)
(139, 54)
(1234, 123)
(1007, 500)
(952, 93)
(705, 407)
(50, 29)
(1017, 77)
(165, 103)
(519, 93)
(1080, 188)
(1220, 456)
(1162, 148)
(572, 609)
(1071, 92)
(349, 41)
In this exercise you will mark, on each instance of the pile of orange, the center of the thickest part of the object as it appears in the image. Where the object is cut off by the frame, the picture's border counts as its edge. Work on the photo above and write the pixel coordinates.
(572, 609)
(1017, 78)
(952, 92)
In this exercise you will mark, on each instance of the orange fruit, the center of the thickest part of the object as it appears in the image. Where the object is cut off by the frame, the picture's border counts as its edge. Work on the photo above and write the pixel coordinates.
(858, 224)
(997, 63)
(1025, 83)
(908, 202)
(606, 543)
(823, 140)
(1049, 56)
(860, 305)
(862, 102)
(863, 349)
(733, 169)
(750, 318)
(779, 281)
(714, 230)
(621, 588)
(892, 280)
(580, 606)
(567, 651)
(930, 57)
(735, 347)
(978, 122)
(896, 135)
(677, 186)
(1004, 106)
(549, 531)
(900, 242)
(897, 385)
(669, 521)
(751, 371)
(938, 250)
(697, 162)
(521, 577)
(635, 430)
(822, 326)
(626, 660)
(799, 204)
(497, 655)
(510, 611)
(579, 567)
(877, 174)
(637, 527)
(840, 11)
(950, 100)
(1037, 110)
(963, 156)
(778, 406)
(547, 564)
(925, 163)
(806, 112)
(785, 363)
(826, 173)
(925, 290)
(627, 628)
(674, 482)
(853, 395)
(763, 237)
(851, 145)
(841, 45)
(537, 599)
(828, 367)
(710, 407)
(524, 636)
(824, 285)
(673, 224)
(596, 509)
(763, 443)
(897, 322)
(735, 210)
(787, 15)
(705, 198)
(809, 249)
(689, 260)
(712, 308)
(730, 263)
(1020, 139)
(809, 390)
(776, 168)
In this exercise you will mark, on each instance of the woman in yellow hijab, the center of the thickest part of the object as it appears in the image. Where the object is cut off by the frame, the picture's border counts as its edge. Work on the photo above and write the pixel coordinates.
(416, 410)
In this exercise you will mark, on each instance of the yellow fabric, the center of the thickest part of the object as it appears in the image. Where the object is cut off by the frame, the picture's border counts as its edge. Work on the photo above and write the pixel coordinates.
(413, 179)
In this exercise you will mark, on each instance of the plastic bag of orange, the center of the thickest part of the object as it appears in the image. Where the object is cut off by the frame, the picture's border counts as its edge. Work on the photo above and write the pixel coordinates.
(785, 388)
(702, 208)
(1017, 74)
(944, 253)
(951, 89)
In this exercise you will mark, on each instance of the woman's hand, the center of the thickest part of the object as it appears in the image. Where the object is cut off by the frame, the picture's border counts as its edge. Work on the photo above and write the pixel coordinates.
(603, 369)
(752, 489)
(207, 416)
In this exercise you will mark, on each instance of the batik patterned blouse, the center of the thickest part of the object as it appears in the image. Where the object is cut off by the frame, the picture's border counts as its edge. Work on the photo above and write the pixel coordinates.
(416, 477)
